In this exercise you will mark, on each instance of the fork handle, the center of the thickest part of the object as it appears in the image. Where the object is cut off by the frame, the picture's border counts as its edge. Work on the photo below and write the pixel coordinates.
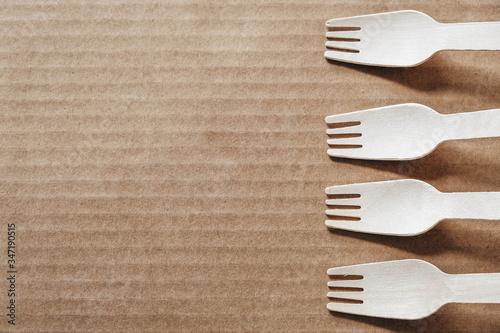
(473, 205)
(470, 125)
(475, 288)
(471, 36)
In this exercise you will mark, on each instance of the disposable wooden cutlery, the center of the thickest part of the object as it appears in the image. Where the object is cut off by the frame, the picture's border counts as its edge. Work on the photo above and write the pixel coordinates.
(404, 131)
(405, 289)
(404, 38)
(403, 207)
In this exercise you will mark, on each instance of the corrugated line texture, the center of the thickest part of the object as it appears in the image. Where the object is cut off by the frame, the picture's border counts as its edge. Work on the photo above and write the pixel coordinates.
(164, 163)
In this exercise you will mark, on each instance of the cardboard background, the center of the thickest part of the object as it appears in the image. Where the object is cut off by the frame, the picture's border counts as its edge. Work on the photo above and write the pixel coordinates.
(165, 164)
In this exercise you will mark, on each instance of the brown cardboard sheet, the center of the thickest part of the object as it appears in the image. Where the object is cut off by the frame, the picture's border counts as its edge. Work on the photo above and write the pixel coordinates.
(164, 164)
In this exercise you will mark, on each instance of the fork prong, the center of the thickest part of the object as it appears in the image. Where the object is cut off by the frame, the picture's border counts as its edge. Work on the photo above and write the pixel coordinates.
(346, 284)
(343, 45)
(344, 212)
(343, 202)
(345, 225)
(349, 189)
(348, 270)
(354, 295)
(363, 226)
(346, 152)
(349, 34)
(345, 23)
(345, 141)
(352, 57)
(359, 309)
(343, 130)
(343, 118)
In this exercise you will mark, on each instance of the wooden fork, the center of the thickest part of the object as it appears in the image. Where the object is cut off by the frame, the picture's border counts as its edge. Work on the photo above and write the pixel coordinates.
(405, 289)
(403, 38)
(404, 131)
(404, 207)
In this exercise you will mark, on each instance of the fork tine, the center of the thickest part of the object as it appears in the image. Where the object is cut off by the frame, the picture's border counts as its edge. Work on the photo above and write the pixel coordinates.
(345, 225)
(359, 309)
(343, 201)
(342, 118)
(344, 189)
(345, 141)
(354, 295)
(352, 57)
(343, 34)
(346, 152)
(346, 284)
(347, 270)
(347, 45)
(345, 23)
(343, 130)
(344, 212)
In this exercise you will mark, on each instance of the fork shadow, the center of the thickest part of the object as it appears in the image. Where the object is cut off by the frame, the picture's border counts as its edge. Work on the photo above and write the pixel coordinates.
(449, 318)
(475, 169)
(439, 73)
(430, 243)
(447, 236)
(395, 325)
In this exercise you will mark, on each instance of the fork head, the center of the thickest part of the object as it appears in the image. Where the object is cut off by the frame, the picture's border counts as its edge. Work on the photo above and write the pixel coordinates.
(397, 132)
(401, 289)
(394, 39)
(403, 207)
